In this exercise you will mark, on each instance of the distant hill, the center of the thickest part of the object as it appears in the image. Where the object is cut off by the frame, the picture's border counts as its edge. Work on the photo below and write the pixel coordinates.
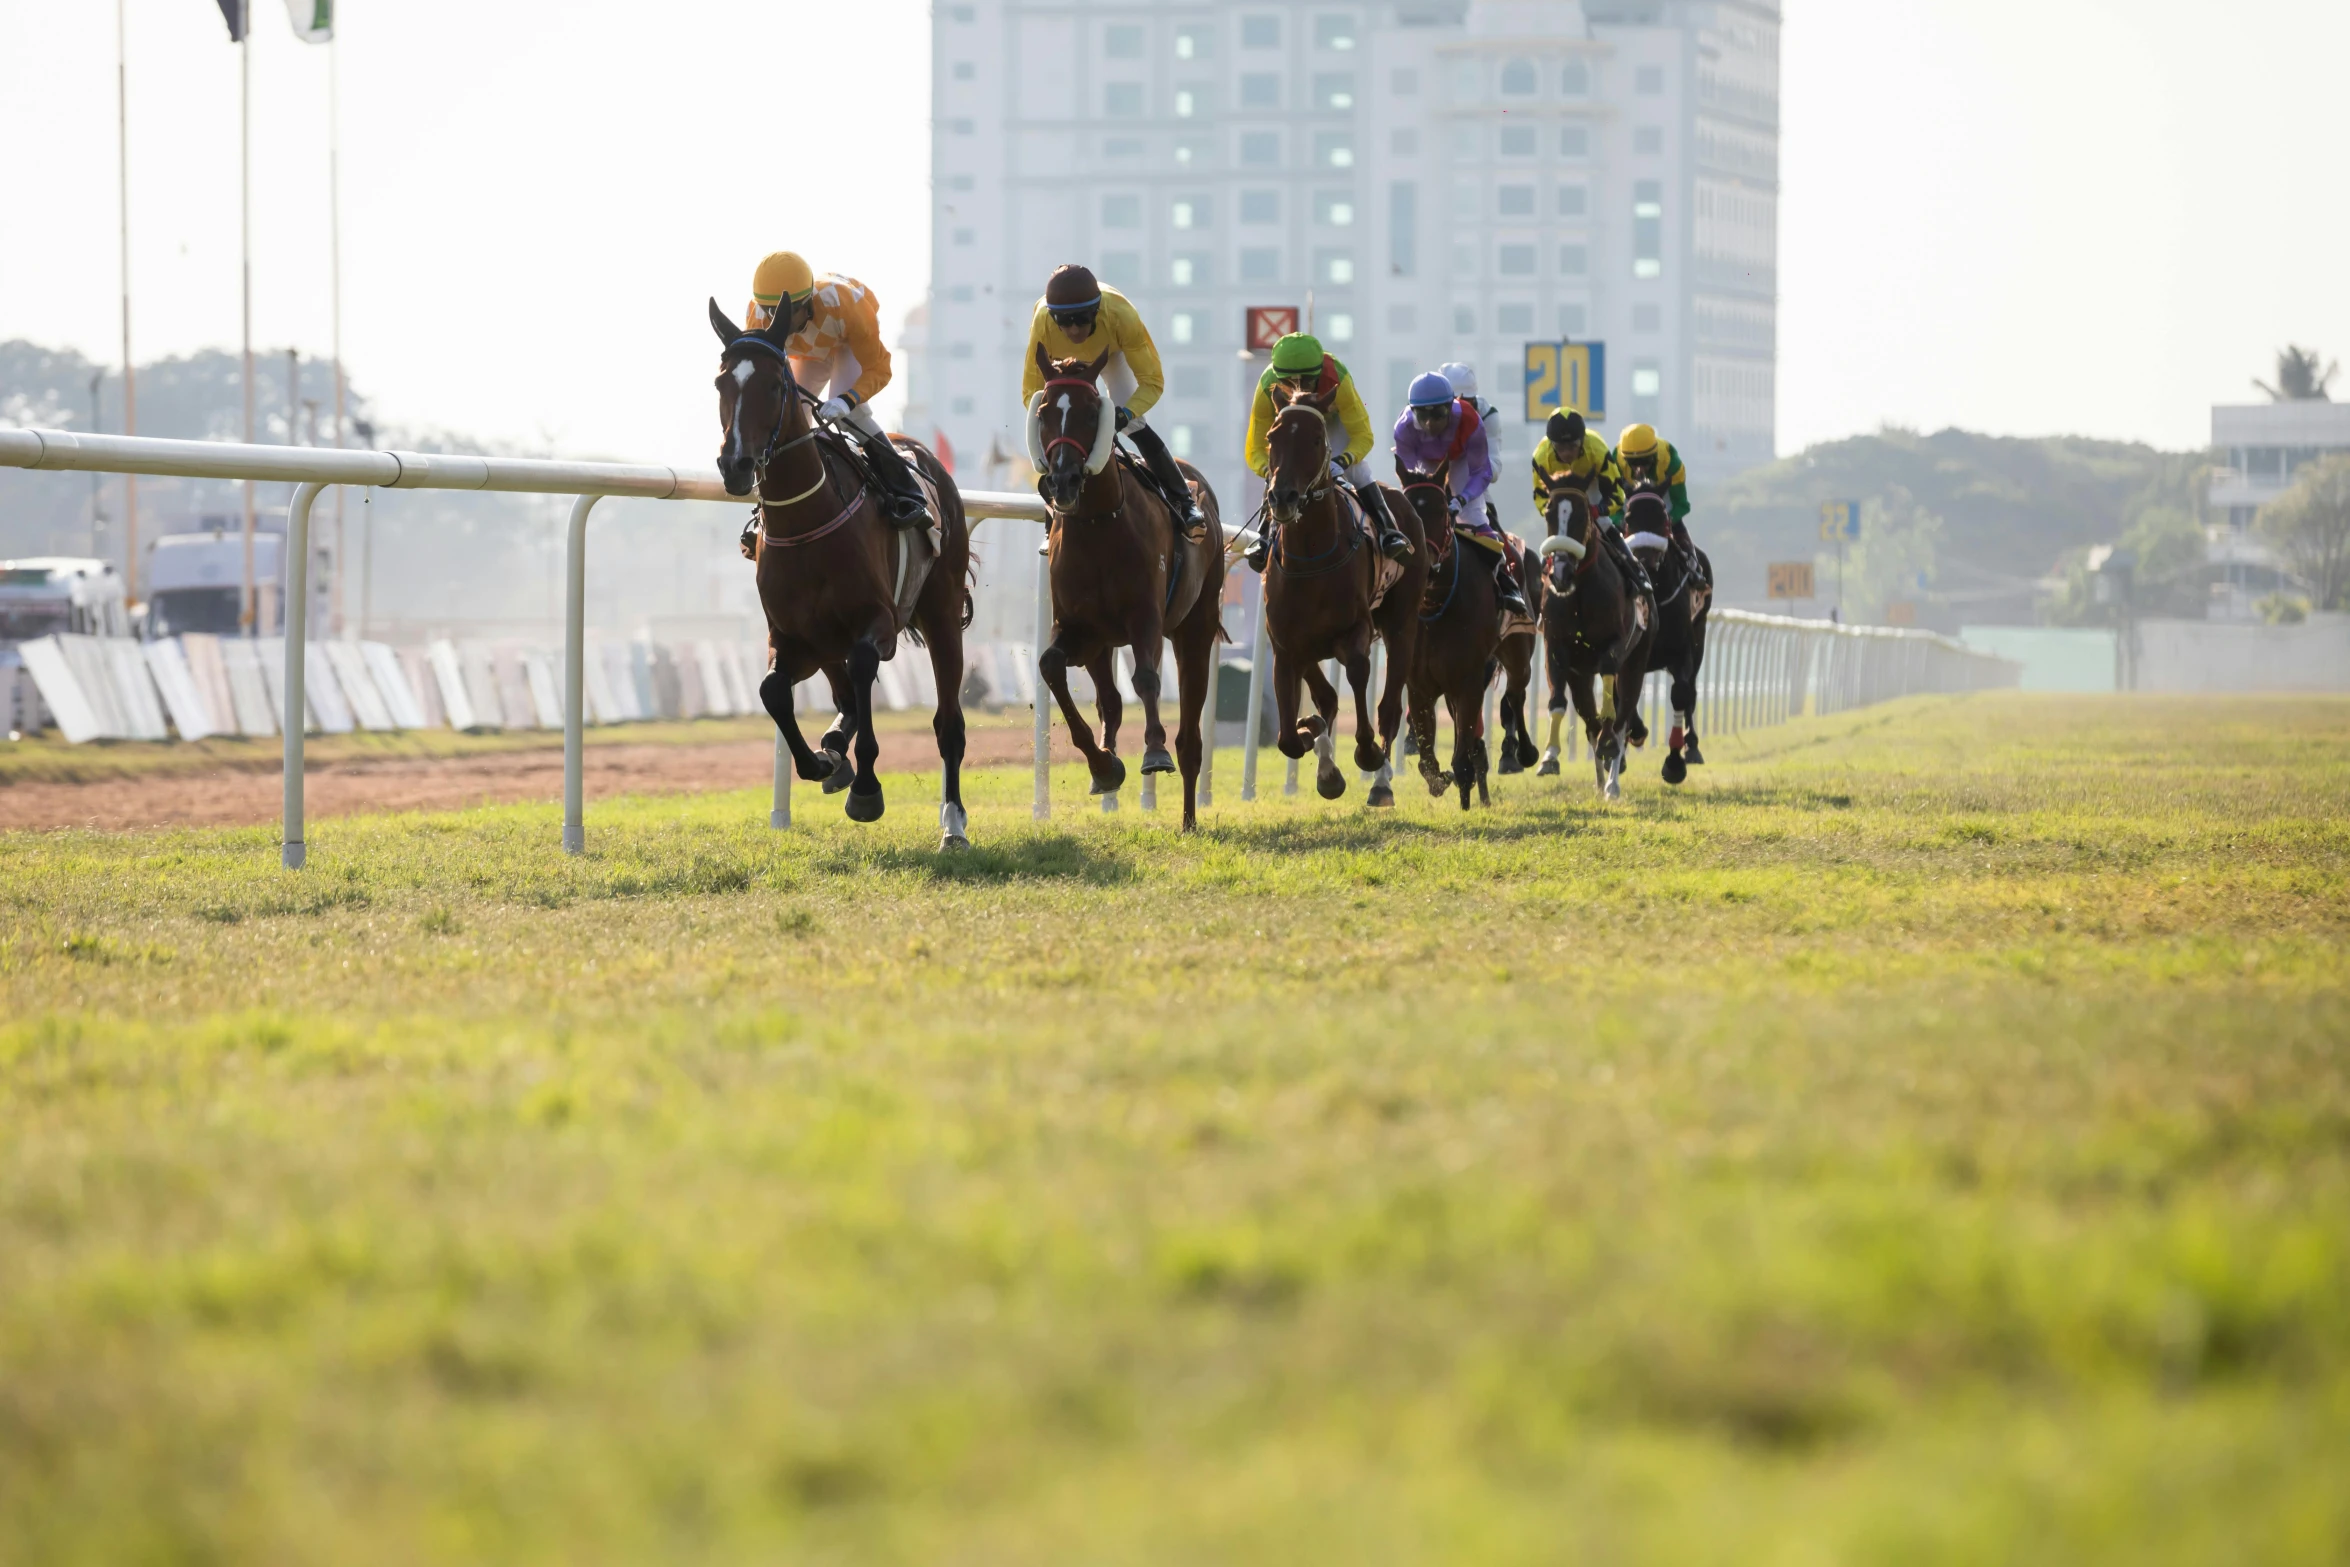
(2012, 510)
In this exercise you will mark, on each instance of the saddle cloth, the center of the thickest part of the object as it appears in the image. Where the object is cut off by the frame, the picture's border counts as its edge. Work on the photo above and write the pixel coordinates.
(1388, 572)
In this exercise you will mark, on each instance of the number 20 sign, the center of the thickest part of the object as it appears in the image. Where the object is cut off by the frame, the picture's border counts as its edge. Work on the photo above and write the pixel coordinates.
(1566, 375)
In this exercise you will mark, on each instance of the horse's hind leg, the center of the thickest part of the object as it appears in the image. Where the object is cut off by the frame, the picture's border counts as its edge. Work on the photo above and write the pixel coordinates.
(946, 666)
(1195, 681)
(1329, 782)
(1107, 700)
(1149, 651)
(775, 696)
(864, 803)
(1685, 697)
(842, 729)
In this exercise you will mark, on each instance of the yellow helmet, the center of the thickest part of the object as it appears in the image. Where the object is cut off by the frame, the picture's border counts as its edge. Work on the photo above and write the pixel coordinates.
(1638, 440)
(781, 275)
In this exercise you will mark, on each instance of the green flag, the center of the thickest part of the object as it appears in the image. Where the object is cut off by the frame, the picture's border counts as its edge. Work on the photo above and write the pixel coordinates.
(314, 20)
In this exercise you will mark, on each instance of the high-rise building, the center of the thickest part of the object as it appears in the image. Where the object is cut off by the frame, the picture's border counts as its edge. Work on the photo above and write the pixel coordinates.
(1440, 179)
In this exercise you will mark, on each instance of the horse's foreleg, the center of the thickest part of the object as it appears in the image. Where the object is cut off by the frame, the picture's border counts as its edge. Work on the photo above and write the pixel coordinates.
(775, 695)
(1296, 735)
(1329, 782)
(946, 668)
(1357, 660)
(1149, 649)
(1195, 683)
(864, 802)
(1107, 771)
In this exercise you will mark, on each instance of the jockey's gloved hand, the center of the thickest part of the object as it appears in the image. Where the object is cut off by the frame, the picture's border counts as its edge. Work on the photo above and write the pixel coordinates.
(1452, 504)
(838, 407)
(1125, 418)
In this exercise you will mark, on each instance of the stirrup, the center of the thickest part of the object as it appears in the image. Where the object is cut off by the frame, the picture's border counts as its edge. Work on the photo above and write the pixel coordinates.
(1394, 545)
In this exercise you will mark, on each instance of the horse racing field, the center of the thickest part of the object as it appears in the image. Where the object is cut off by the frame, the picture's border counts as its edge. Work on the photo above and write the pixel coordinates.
(1924, 1139)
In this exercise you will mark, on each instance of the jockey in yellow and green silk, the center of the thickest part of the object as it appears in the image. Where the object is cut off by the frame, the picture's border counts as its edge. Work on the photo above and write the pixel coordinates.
(1079, 318)
(1642, 458)
(1300, 364)
(831, 330)
(1570, 450)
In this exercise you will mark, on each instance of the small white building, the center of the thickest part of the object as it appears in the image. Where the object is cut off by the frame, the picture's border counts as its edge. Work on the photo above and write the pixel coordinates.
(2265, 445)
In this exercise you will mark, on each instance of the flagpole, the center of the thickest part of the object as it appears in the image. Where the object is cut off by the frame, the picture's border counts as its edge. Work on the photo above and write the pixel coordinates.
(334, 207)
(245, 224)
(130, 372)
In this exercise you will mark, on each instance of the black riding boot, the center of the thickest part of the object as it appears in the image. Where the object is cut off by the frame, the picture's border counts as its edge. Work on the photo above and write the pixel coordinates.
(1505, 586)
(1628, 562)
(1170, 478)
(1392, 543)
(902, 500)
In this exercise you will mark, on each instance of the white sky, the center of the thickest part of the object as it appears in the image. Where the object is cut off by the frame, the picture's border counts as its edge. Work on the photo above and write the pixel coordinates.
(2022, 216)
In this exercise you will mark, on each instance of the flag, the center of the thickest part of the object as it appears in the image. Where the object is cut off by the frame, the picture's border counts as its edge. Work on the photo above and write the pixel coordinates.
(233, 13)
(314, 20)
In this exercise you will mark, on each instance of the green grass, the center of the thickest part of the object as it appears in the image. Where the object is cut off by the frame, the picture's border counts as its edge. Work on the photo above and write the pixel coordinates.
(1927, 1138)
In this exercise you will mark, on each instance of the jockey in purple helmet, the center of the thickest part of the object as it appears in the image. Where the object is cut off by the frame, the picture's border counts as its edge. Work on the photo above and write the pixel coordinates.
(1440, 430)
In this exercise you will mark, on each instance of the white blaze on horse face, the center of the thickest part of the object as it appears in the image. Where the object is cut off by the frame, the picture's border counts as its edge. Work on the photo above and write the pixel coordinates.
(743, 371)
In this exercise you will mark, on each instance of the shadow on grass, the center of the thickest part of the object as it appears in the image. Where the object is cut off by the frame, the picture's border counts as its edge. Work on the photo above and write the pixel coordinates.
(1050, 857)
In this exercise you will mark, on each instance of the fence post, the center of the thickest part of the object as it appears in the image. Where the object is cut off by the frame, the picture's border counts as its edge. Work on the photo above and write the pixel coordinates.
(296, 599)
(575, 676)
(1043, 807)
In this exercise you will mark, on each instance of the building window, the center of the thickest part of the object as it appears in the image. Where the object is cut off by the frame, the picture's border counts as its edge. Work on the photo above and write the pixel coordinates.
(963, 405)
(1189, 213)
(965, 70)
(1648, 229)
(1404, 143)
(1334, 150)
(1334, 266)
(1651, 80)
(1403, 318)
(1517, 79)
(1342, 327)
(1186, 102)
(1575, 80)
(960, 182)
(1468, 82)
(1260, 265)
(1464, 320)
(1179, 440)
(1575, 142)
(1648, 140)
(1122, 100)
(1515, 260)
(1574, 260)
(1648, 386)
(964, 236)
(1122, 268)
(961, 13)
(1517, 319)
(1517, 141)
(1334, 32)
(1121, 212)
(1574, 321)
(1182, 327)
(1403, 228)
(1647, 318)
(1188, 271)
(1468, 200)
(1122, 147)
(1191, 43)
(1403, 82)
(1260, 149)
(1468, 144)
(962, 294)
(1190, 381)
(1334, 208)
(1464, 258)
(961, 127)
(1574, 201)
(1260, 206)
(958, 350)
(1334, 90)
(1514, 201)
(1260, 32)
(1123, 42)
(1260, 90)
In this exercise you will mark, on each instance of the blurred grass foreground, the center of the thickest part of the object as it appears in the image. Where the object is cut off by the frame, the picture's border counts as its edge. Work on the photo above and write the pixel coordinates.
(1924, 1139)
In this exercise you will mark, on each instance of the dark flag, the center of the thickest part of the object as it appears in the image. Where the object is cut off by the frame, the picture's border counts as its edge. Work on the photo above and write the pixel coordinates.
(233, 13)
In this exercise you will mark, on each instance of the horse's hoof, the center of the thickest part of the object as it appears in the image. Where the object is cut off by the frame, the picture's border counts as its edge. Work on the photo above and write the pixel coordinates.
(1509, 762)
(1312, 727)
(1549, 767)
(1330, 783)
(1369, 758)
(1437, 784)
(1110, 777)
(953, 827)
(1407, 746)
(1675, 769)
(865, 807)
(1689, 753)
(842, 774)
(1527, 755)
(1156, 760)
(1382, 798)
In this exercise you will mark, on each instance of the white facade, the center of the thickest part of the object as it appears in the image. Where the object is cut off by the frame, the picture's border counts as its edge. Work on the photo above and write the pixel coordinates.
(1446, 179)
(2266, 446)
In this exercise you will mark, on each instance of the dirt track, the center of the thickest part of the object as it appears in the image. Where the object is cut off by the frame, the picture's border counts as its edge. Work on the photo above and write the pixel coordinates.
(237, 798)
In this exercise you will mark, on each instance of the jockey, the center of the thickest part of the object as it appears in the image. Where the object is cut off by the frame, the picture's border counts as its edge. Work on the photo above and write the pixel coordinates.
(1643, 459)
(1076, 319)
(1570, 450)
(1298, 361)
(1440, 430)
(832, 331)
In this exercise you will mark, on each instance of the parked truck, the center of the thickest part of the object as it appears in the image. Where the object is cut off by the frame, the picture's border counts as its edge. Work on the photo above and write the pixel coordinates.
(41, 596)
(196, 582)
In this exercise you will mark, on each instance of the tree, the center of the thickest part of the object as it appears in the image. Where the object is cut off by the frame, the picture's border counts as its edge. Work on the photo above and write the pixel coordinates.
(1894, 559)
(2299, 380)
(2309, 525)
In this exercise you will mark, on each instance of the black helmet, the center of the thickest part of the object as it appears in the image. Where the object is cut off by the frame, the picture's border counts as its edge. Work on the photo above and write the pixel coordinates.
(1565, 428)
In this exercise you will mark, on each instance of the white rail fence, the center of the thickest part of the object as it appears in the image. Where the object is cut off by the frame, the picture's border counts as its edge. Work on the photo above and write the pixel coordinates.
(1759, 670)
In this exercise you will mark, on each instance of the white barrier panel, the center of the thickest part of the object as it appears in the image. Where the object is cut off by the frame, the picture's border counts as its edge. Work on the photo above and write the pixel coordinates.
(168, 662)
(45, 660)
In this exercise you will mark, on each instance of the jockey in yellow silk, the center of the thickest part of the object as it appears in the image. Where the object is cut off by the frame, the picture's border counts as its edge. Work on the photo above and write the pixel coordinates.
(1571, 451)
(831, 326)
(1300, 364)
(1079, 318)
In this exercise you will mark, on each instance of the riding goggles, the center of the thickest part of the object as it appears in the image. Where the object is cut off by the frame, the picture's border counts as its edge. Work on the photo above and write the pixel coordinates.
(1083, 315)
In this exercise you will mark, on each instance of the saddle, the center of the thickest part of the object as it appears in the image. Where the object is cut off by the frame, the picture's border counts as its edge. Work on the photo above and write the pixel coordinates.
(911, 548)
(1130, 461)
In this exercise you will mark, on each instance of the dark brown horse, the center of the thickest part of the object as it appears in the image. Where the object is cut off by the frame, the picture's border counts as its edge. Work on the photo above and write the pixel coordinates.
(1319, 583)
(1517, 747)
(1460, 634)
(1684, 582)
(1594, 625)
(832, 572)
(1397, 617)
(1123, 576)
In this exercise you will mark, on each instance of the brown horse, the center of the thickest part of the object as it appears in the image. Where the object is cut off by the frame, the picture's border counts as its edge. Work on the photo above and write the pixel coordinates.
(1460, 633)
(1518, 751)
(1397, 618)
(1123, 576)
(1593, 624)
(830, 573)
(1319, 583)
(1684, 580)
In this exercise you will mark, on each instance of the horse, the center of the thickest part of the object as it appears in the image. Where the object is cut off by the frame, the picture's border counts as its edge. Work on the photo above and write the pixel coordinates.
(1397, 619)
(1122, 576)
(1518, 751)
(1684, 582)
(1460, 636)
(1593, 623)
(834, 576)
(1320, 581)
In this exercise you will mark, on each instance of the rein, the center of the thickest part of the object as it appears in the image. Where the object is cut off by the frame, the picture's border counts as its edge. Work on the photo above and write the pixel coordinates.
(1065, 438)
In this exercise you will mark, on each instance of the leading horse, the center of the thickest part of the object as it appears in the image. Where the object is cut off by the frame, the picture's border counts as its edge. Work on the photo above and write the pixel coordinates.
(1123, 575)
(1594, 624)
(1460, 636)
(836, 581)
(1684, 581)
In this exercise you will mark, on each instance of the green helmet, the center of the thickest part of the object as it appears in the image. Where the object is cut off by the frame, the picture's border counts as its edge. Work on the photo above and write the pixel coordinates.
(1297, 354)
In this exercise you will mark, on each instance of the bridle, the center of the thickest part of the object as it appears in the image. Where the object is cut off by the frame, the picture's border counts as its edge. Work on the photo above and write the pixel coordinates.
(754, 343)
(1566, 589)
(1101, 411)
